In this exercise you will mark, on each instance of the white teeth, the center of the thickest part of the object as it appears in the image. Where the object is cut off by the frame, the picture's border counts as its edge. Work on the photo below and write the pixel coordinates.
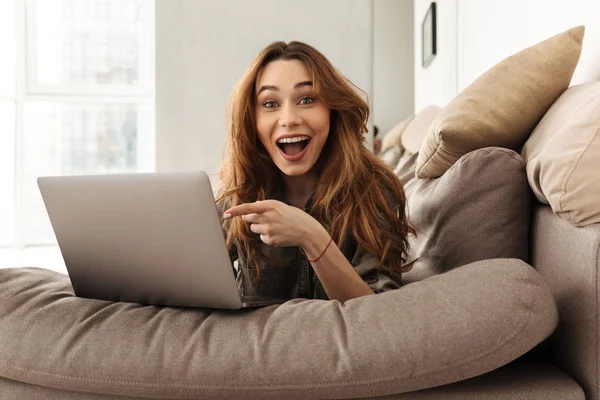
(293, 140)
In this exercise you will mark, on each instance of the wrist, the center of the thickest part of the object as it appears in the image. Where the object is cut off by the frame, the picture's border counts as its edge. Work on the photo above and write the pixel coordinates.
(315, 242)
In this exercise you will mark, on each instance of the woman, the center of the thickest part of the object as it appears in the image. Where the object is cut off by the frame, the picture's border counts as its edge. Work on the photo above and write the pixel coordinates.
(308, 211)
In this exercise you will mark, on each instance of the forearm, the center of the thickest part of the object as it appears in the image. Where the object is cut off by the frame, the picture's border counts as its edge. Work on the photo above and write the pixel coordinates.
(339, 279)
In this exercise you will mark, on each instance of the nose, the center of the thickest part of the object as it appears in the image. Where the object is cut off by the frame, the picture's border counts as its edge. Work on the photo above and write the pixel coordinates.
(289, 117)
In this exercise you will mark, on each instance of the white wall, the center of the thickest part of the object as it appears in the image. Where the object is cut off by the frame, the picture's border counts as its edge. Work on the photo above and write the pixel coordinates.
(204, 46)
(487, 31)
(393, 62)
(436, 84)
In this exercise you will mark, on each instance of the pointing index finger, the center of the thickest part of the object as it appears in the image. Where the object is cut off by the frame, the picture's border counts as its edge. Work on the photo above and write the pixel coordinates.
(246, 208)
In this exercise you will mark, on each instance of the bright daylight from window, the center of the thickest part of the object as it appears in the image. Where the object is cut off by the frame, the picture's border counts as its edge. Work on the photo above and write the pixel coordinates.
(76, 97)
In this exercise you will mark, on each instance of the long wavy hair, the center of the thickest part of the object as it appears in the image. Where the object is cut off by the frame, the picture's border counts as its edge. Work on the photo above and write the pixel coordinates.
(354, 187)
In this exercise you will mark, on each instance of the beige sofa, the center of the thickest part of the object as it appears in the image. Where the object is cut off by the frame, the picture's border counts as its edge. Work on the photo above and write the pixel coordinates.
(490, 197)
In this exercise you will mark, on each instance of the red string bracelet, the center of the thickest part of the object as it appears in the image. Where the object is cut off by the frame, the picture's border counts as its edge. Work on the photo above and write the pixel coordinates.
(326, 247)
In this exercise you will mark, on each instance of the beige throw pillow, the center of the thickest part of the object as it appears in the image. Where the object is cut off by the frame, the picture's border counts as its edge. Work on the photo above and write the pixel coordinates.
(563, 155)
(392, 137)
(502, 106)
(416, 131)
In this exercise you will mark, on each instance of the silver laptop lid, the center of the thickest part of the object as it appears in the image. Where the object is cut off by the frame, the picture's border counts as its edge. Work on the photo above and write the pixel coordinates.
(150, 238)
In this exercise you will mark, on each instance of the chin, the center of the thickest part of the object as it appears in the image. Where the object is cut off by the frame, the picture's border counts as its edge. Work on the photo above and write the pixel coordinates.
(294, 170)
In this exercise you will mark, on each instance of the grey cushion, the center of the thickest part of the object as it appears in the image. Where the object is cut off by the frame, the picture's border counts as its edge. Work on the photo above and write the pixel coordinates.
(479, 209)
(405, 168)
(391, 156)
(443, 329)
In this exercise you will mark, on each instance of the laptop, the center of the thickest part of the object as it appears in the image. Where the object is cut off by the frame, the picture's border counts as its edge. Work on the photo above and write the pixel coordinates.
(148, 238)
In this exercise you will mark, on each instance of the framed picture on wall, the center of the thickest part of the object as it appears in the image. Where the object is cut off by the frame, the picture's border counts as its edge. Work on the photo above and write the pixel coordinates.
(428, 36)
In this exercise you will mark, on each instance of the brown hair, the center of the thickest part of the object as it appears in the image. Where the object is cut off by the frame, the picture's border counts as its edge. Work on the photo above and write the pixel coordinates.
(356, 193)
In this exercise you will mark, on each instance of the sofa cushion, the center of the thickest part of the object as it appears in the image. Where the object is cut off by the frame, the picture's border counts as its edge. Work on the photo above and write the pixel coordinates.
(405, 168)
(416, 131)
(502, 106)
(563, 155)
(443, 329)
(480, 208)
(514, 381)
(392, 137)
(391, 156)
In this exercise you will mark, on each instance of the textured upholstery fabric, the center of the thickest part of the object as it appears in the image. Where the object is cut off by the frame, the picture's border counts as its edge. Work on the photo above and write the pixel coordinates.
(416, 337)
(563, 155)
(502, 106)
(531, 382)
(405, 168)
(391, 156)
(392, 137)
(416, 131)
(513, 382)
(568, 258)
(478, 209)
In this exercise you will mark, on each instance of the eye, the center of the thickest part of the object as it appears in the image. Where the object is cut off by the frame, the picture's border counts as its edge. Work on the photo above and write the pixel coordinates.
(269, 104)
(309, 99)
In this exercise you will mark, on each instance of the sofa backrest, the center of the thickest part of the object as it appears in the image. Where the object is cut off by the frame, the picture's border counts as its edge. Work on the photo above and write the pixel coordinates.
(568, 257)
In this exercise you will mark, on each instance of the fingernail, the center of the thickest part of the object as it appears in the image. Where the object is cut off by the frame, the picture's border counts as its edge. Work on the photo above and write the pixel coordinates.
(227, 216)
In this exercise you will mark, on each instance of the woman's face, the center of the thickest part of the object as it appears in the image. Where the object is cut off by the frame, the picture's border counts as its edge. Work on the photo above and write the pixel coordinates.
(292, 123)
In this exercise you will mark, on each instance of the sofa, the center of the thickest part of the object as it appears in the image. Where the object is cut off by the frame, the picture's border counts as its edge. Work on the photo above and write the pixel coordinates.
(501, 302)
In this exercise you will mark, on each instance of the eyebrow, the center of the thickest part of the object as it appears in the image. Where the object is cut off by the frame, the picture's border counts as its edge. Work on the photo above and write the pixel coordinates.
(296, 86)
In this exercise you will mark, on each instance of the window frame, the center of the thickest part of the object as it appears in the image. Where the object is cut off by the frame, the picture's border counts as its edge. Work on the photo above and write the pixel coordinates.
(145, 88)
(28, 91)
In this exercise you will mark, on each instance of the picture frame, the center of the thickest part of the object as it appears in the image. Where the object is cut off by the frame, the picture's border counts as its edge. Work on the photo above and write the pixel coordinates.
(429, 36)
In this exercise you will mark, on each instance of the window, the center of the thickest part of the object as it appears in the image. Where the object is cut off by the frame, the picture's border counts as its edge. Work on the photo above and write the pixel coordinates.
(76, 97)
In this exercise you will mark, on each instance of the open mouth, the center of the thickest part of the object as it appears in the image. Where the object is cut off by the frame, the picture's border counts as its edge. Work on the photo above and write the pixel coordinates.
(293, 146)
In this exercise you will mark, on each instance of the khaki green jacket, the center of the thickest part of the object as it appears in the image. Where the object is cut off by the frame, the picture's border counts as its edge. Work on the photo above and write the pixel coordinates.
(291, 275)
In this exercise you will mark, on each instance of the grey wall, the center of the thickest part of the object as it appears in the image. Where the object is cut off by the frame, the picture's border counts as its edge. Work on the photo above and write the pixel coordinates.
(203, 47)
(393, 65)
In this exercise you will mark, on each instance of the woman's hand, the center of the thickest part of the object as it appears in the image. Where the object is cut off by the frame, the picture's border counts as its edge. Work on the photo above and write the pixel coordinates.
(277, 223)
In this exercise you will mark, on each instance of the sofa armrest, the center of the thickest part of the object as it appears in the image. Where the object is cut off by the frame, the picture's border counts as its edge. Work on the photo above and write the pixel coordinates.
(568, 259)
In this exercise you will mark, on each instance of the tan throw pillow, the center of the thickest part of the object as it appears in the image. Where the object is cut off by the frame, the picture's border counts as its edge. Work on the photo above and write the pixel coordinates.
(563, 155)
(392, 138)
(416, 131)
(479, 209)
(503, 105)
